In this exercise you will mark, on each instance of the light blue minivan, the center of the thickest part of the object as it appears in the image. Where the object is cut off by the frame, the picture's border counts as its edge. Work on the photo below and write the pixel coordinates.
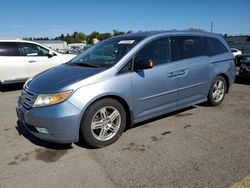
(125, 80)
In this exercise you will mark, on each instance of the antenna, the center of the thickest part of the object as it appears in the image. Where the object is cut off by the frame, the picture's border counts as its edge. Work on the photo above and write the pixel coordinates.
(212, 25)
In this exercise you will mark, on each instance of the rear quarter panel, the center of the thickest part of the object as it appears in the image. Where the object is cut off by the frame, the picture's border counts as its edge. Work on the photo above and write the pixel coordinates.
(223, 64)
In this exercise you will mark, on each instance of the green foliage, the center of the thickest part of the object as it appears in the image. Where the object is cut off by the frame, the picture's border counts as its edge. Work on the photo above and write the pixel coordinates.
(91, 36)
(78, 37)
(116, 32)
(104, 36)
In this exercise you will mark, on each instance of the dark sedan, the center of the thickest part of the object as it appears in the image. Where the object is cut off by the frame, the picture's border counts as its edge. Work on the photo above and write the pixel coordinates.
(243, 62)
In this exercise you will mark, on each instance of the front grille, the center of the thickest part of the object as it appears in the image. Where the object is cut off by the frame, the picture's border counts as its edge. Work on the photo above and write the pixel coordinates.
(27, 99)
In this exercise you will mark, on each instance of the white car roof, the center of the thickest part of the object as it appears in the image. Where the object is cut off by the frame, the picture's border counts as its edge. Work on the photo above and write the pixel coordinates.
(16, 40)
(27, 41)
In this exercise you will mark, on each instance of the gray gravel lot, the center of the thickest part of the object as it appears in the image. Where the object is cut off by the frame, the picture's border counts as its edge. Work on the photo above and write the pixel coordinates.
(198, 147)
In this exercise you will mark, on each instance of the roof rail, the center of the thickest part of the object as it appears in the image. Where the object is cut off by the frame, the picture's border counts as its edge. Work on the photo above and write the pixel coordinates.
(9, 38)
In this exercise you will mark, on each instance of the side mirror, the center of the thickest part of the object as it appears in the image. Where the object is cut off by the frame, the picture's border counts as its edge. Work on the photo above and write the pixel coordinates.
(144, 64)
(51, 54)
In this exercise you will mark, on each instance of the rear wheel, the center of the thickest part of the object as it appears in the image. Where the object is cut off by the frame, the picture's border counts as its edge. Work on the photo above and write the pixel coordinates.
(103, 123)
(217, 91)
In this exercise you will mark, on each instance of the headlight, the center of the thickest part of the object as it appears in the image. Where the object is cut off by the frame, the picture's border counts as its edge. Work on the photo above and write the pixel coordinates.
(27, 82)
(49, 99)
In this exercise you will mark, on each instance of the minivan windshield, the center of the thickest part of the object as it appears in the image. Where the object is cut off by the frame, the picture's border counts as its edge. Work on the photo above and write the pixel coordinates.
(107, 53)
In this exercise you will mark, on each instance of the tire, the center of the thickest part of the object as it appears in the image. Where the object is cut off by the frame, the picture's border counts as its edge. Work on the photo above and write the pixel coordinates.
(217, 91)
(102, 123)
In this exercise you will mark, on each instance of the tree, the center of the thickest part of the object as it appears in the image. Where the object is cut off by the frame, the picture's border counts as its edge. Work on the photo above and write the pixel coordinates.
(104, 36)
(61, 37)
(116, 32)
(93, 35)
(68, 39)
(78, 37)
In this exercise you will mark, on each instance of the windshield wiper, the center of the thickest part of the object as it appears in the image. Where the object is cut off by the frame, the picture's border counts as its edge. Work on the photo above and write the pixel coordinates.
(84, 65)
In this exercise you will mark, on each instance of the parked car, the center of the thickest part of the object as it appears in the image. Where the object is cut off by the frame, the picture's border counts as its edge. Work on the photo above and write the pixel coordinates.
(235, 51)
(243, 62)
(125, 80)
(21, 59)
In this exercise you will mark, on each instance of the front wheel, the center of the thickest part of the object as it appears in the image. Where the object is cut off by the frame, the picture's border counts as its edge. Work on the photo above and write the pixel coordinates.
(103, 123)
(217, 91)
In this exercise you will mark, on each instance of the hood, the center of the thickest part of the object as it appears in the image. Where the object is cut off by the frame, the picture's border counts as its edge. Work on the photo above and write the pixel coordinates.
(67, 57)
(244, 58)
(56, 78)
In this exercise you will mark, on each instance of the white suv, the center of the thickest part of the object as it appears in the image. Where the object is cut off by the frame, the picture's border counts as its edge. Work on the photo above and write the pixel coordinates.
(20, 60)
(236, 51)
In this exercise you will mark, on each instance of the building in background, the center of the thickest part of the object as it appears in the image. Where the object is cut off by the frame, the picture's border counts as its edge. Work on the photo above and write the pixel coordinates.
(54, 44)
(77, 45)
(95, 41)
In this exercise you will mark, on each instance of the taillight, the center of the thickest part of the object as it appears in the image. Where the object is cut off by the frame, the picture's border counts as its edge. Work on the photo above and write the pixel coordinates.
(235, 61)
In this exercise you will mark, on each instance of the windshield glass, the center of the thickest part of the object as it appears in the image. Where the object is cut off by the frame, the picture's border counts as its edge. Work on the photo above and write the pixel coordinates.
(106, 53)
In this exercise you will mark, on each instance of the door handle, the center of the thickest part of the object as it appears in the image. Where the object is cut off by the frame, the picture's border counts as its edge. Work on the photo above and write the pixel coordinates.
(178, 73)
(183, 72)
(31, 61)
(172, 74)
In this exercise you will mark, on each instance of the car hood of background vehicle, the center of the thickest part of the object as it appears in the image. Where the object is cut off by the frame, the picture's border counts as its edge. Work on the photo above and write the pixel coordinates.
(68, 57)
(60, 77)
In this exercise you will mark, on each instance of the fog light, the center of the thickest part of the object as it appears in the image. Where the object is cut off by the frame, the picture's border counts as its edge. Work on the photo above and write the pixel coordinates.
(42, 130)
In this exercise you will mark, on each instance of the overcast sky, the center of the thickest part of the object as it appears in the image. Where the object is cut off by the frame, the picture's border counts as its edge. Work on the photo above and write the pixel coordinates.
(50, 18)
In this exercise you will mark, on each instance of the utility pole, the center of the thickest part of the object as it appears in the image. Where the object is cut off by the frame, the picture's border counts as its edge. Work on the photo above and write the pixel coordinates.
(212, 25)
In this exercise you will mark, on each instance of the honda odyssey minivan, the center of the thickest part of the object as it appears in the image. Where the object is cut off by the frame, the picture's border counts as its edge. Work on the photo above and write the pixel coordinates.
(125, 80)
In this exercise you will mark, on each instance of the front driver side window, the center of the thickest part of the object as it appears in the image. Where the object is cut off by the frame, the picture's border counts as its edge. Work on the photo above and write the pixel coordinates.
(34, 50)
(157, 51)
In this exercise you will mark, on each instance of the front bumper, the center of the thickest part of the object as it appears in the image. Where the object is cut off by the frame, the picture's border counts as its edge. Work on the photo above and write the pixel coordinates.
(244, 72)
(56, 123)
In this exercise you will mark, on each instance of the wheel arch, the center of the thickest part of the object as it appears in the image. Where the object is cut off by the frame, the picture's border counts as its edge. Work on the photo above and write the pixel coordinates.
(129, 113)
(226, 79)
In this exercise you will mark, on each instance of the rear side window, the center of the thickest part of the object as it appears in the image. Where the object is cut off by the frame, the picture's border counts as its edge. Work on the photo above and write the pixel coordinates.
(34, 50)
(157, 50)
(184, 47)
(213, 46)
(9, 49)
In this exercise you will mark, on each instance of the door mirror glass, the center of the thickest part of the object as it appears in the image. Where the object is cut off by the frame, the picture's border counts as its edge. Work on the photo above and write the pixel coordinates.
(51, 54)
(144, 64)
